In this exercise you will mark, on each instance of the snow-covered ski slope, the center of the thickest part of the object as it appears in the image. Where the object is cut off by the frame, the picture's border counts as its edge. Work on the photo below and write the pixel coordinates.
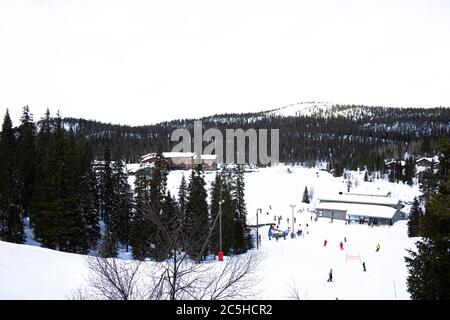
(322, 109)
(30, 272)
(301, 109)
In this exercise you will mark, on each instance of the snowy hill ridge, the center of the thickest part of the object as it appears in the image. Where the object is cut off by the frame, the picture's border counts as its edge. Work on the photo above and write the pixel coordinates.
(323, 109)
(301, 109)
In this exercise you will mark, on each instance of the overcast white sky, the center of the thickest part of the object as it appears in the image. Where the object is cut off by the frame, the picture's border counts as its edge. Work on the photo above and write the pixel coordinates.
(139, 62)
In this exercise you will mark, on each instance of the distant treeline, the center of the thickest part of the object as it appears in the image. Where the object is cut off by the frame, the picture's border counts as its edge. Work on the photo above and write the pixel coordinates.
(360, 136)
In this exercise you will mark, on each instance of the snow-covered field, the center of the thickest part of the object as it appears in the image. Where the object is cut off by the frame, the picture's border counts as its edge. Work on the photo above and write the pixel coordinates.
(30, 272)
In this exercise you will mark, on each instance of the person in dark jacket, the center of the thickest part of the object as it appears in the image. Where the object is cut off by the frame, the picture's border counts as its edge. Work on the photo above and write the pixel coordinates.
(364, 266)
(330, 276)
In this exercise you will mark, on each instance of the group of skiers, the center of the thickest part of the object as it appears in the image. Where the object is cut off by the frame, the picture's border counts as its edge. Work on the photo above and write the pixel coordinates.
(341, 245)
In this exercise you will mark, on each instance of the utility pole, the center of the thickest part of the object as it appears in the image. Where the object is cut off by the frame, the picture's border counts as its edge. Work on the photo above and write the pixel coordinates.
(292, 232)
(257, 228)
(220, 226)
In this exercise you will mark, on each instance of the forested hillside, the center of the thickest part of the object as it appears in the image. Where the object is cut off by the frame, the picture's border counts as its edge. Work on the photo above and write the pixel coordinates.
(345, 136)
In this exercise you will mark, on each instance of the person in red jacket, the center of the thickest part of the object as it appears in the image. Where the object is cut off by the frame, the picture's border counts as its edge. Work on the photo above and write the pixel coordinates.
(341, 245)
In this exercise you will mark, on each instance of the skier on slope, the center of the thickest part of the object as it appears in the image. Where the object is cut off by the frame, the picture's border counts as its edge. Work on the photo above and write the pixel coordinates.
(364, 266)
(341, 245)
(378, 247)
(325, 243)
(330, 276)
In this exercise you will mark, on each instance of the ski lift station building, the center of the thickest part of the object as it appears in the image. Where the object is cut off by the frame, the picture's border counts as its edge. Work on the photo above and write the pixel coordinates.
(361, 208)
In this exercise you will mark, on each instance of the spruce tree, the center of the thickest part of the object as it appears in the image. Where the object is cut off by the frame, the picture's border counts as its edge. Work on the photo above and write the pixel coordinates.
(366, 176)
(429, 266)
(428, 184)
(26, 161)
(182, 200)
(69, 233)
(216, 199)
(43, 193)
(410, 170)
(233, 233)
(243, 240)
(109, 241)
(158, 182)
(122, 204)
(398, 171)
(141, 227)
(169, 218)
(197, 214)
(87, 193)
(305, 198)
(11, 223)
(415, 216)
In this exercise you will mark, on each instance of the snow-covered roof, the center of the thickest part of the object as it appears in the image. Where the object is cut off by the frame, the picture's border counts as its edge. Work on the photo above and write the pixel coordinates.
(371, 193)
(365, 210)
(135, 167)
(395, 161)
(180, 155)
(169, 155)
(386, 201)
(208, 156)
(428, 159)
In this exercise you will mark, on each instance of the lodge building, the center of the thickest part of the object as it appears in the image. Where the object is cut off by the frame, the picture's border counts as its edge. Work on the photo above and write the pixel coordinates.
(377, 210)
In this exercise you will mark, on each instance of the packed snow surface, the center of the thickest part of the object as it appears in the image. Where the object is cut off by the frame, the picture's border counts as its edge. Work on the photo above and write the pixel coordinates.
(31, 272)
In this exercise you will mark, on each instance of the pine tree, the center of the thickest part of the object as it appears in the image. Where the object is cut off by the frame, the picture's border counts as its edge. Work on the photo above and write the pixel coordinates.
(11, 223)
(216, 200)
(141, 227)
(243, 240)
(366, 176)
(305, 198)
(122, 203)
(233, 233)
(182, 199)
(26, 161)
(87, 193)
(158, 184)
(398, 171)
(415, 216)
(410, 170)
(69, 229)
(158, 181)
(43, 194)
(169, 219)
(429, 266)
(197, 214)
(428, 184)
